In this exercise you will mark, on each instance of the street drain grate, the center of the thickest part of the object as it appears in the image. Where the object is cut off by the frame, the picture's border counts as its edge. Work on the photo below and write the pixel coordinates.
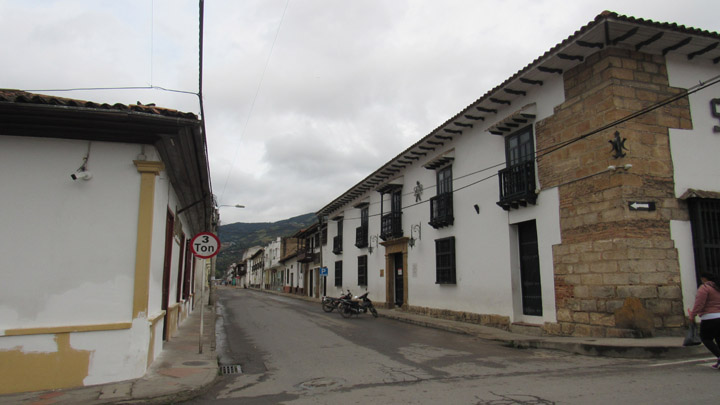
(233, 369)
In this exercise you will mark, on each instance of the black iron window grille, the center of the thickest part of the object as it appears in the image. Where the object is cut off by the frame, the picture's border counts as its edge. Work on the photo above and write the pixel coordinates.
(445, 261)
(362, 270)
(705, 222)
(338, 273)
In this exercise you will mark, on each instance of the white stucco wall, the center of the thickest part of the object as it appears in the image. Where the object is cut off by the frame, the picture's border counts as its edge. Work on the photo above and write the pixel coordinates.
(693, 150)
(694, 156)
(487, 272)
(68, 246)
(69, 250)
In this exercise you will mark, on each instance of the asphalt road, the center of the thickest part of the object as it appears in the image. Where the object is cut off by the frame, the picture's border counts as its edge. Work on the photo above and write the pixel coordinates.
(292, 352)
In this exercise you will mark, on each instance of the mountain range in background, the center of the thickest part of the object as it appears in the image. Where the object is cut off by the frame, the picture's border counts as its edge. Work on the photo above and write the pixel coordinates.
(237, 237)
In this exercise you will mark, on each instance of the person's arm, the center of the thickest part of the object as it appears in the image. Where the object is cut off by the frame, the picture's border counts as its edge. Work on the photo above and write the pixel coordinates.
(700, 299)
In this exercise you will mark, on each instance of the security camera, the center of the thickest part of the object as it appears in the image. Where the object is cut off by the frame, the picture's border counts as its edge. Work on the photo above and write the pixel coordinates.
(81, 175)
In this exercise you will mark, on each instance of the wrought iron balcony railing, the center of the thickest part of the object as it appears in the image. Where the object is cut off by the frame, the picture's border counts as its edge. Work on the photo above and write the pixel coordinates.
(337, 244)
(517, 185)
(391, 226)
(441, 210)
(305, 255)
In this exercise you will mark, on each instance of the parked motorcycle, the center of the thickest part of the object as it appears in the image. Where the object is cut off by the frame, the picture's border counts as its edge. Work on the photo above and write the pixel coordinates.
(359, 305)
(330, 303)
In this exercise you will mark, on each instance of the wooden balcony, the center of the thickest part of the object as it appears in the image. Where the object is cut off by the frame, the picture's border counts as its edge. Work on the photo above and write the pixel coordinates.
(517, 186)
(441, 210)
(337, 244)
(391, 226)
(305, 255)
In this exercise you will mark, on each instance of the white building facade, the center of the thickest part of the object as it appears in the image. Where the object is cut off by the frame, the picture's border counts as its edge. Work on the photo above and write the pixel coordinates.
(569, 197)
(97, 271)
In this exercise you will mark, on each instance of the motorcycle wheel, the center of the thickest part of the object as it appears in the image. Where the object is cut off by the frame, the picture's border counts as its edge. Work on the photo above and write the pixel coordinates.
(374, 312)
(327, 307)
(345, 311)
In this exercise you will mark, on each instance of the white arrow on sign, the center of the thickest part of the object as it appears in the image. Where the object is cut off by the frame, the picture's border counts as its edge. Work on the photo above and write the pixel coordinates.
(642, 206)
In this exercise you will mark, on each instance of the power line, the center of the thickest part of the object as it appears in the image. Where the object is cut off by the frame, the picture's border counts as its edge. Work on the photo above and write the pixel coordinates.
(115, 88)
(700, 86)
(553, 148)
(252, 105)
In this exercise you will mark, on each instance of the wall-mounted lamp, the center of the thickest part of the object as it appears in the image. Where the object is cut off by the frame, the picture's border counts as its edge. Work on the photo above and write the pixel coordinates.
(373, 244)
(612, 168)
(415, 229)
(234, 206)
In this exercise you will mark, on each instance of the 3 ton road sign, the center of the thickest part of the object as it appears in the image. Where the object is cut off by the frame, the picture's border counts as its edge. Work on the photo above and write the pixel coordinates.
(205, 245)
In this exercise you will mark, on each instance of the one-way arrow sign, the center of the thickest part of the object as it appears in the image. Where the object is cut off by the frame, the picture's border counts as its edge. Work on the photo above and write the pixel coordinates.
(641, 206)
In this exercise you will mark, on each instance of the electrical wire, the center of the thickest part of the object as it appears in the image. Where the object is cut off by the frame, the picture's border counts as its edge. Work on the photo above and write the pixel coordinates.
(553, 148)
(252, 105)
(115, 88)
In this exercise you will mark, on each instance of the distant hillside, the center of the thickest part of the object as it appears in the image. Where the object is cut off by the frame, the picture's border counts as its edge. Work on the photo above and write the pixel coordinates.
(239, 236)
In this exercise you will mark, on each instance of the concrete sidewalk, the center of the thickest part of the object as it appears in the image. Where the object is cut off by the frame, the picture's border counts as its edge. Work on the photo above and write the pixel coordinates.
(641, 348)
(179, 373)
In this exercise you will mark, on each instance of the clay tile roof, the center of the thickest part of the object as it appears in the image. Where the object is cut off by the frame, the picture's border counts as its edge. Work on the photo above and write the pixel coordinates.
(693, 193)
(19, 96)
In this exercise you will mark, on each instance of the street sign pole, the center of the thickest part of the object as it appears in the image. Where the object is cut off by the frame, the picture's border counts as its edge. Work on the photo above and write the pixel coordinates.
(204, 245)
(202, 307)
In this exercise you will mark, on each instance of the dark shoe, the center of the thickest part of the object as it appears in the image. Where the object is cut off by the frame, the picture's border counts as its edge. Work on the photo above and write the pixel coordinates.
(716, 365)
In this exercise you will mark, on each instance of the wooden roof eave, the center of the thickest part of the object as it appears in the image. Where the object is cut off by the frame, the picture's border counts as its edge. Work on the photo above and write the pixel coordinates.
(607, 29)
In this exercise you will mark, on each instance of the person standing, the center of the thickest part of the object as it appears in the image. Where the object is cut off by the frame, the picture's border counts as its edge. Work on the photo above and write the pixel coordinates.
(707, 306)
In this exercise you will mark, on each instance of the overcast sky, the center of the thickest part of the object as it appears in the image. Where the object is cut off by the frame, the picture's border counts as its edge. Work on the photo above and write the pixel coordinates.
(303, 98)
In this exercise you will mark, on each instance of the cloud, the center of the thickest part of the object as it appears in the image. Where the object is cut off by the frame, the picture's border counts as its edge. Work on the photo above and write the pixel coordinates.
(302, 101)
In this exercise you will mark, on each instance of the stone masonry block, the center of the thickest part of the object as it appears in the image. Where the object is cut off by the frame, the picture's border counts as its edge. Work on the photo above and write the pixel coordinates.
(564, 315)
(591, 279)
(581, 291)
(554, 329)
(674, 321)
(581, 330)
(613, 305)
(621, 278)
(602, 291)
(602, 319)
(670, 292)
(656, 278)
(637, 291)
(659, 307)
(581, 317)
(588, 305)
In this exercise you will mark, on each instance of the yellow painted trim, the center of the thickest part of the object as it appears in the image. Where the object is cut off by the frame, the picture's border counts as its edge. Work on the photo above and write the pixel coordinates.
(157, 317)
(51, 330)
(34, 371)
(149, 166)
(148, 170)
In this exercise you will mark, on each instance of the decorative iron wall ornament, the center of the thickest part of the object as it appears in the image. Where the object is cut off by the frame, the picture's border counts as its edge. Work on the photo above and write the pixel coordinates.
(715, 111)
(618, 145)
(418, 190)
(414, 231)
(373, 244)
